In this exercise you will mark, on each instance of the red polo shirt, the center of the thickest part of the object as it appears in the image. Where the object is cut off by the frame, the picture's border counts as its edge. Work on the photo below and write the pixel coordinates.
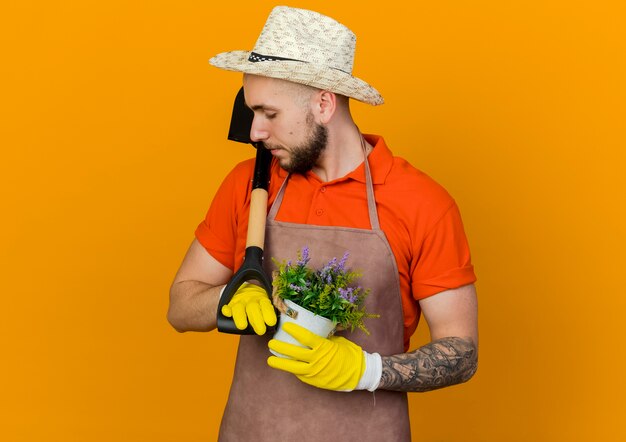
(420, 219)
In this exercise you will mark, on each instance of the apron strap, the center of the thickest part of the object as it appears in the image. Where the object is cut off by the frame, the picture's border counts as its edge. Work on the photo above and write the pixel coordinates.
(278, 201)
(371, 201)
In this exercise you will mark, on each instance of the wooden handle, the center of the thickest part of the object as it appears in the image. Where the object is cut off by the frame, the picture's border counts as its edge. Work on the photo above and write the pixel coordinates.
(256, 220)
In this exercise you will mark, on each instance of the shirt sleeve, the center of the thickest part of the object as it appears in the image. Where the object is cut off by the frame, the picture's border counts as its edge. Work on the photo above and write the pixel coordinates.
(218, 232)
(444, 260)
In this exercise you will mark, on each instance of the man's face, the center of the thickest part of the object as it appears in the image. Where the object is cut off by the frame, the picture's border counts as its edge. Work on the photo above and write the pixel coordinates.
(284, 122)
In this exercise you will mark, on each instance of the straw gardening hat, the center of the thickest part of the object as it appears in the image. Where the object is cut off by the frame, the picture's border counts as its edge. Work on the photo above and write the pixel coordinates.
(304, 47)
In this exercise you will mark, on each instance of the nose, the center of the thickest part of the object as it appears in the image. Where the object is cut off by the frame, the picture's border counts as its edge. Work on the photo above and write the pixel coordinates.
(258, 132)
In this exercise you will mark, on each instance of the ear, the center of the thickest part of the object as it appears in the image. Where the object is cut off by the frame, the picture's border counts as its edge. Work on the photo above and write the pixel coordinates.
(327, 102)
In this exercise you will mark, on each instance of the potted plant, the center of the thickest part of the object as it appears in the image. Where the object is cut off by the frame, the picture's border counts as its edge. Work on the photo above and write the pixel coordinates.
(322, 300)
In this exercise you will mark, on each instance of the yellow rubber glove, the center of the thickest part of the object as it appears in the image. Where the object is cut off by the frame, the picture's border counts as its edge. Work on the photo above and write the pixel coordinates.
(251, 303)
(332, 364)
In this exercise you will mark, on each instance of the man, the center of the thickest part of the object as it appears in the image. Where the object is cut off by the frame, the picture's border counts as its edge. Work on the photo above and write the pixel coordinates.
(331, 189)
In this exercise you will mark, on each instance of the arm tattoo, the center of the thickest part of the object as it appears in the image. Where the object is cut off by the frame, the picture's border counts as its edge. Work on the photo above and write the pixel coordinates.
(441, 363)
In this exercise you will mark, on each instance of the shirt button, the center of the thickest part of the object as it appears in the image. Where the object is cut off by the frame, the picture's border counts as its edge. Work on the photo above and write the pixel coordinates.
(323, 189)
(319, 212)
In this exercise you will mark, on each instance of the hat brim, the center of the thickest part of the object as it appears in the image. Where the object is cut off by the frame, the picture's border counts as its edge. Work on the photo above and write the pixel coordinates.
(325, 78)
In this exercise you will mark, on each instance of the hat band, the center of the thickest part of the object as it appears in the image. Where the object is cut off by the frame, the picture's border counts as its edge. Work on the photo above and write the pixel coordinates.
(255, 58)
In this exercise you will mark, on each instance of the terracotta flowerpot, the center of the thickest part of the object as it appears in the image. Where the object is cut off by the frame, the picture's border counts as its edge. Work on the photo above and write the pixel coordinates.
(314, 323)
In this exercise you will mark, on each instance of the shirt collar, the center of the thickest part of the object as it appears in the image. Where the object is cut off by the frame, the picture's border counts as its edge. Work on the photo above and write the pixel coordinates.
(380, 161)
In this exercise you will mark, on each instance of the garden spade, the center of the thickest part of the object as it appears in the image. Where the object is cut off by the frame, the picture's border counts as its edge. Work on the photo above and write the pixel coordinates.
(252, 267)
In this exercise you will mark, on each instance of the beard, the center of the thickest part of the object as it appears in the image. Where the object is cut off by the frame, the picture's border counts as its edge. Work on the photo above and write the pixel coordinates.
(303, 157)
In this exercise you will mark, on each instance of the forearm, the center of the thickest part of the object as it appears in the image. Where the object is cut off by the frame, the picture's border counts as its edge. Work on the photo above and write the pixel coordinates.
(439, 364)
(193, 306)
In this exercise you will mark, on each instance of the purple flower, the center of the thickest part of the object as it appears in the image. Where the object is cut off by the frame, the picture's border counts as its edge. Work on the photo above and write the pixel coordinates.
(304, 258)
(332, 263)
(326, 271)
(345, 293)
(348, 294)
(296, 288)
(342, 264)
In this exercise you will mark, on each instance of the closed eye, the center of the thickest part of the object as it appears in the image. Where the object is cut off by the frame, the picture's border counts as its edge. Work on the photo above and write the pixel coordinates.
(269, 111)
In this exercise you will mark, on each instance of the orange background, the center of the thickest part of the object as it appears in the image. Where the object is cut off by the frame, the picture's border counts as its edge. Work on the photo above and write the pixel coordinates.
(113, 137)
